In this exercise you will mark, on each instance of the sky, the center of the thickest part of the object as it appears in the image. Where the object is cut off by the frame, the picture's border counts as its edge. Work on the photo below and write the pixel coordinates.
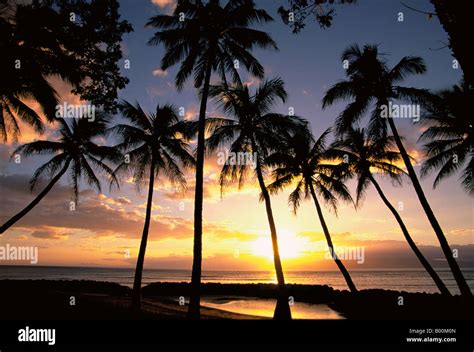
(105, 229)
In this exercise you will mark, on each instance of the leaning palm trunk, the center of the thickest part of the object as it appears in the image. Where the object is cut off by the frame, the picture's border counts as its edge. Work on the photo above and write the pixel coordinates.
(458, 276)
(439, 283)
(195, 296)
(35, 201)
(282, 309)
(137, 283)
(339, 264)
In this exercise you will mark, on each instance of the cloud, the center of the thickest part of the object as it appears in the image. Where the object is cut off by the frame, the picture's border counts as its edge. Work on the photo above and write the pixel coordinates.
(164, 3)
(119, 201)
(160, 73)
(252, 81)
(211, 185)
(191, 113)
(49, 234)
(96, 215)
(123, 200)
(462, 235)
(93, 212)
(391, 254)
(222, 232)
(168, 5)
(100, 219)
(388, 255)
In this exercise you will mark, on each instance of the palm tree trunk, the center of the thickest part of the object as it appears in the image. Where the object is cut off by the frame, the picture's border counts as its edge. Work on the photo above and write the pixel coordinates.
(439, 283)
(137, 283)
(458, 276)
(456, 18)
(339, 264)
(195, 295)
(35, 201)
(282, 310)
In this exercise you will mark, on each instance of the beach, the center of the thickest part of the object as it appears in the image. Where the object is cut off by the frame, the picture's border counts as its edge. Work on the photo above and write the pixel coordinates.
(81, 299)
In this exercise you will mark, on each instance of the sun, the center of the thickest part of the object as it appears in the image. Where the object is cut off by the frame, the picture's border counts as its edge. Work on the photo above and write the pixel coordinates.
(290, 245)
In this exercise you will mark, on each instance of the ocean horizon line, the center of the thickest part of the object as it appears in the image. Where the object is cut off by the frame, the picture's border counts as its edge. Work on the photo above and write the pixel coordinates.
(222, 270)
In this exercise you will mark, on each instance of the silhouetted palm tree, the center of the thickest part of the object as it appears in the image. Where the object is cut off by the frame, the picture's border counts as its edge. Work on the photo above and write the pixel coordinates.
(449, 135)
(74, 151)
(371, 83)
(207, 37)
(20, 81)
(28, 50)
(13, 107)
(152, 145)
(254, 130)
(367, 155)
(306, 162)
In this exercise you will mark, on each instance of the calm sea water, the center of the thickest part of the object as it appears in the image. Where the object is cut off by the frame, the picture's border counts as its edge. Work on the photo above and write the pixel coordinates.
(406, 280)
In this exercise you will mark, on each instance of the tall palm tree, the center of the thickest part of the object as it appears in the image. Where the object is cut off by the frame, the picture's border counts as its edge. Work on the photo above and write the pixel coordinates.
(449, 137)
(366, 155)
(207, 37)
(76, 151)
(152, 145)
(255, 130)
(372, 83)
(306, 162)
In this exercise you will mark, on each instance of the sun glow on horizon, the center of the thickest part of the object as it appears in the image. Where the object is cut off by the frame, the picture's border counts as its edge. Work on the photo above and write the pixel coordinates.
(290, 246)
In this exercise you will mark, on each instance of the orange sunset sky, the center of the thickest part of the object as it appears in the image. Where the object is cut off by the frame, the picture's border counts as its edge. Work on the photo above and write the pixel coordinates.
(105, 229)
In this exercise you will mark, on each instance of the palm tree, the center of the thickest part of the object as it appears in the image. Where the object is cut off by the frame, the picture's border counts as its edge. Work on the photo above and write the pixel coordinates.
(16, 86)
(28, 49)
(152, 145)
(371, 82)
(306, 162)
(255, 130)
(20, 83)
(207, 37)
(449, 135)
(366, 155)
(74, 151)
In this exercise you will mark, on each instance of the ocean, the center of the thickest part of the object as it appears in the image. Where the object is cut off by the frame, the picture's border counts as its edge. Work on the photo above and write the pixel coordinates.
(402, 280)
